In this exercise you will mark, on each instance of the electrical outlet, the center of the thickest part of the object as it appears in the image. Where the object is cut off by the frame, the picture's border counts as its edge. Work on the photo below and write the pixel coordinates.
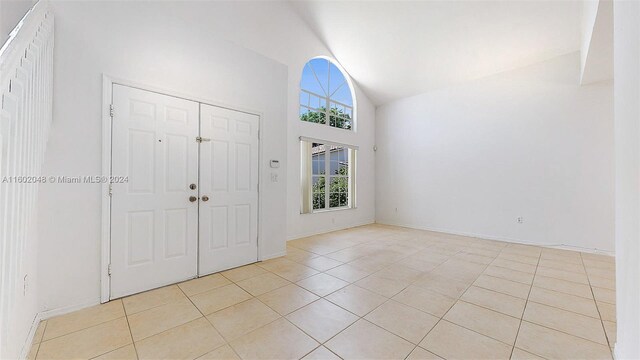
(519, 219)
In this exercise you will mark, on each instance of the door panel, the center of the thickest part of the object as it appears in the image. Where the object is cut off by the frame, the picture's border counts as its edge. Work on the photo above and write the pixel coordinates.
(229, 177)
(153, 224)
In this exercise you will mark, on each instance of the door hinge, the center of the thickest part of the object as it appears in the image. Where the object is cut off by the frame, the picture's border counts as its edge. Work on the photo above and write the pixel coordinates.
(109, 269)
(202, 139)
(111, 111)
(110, 189)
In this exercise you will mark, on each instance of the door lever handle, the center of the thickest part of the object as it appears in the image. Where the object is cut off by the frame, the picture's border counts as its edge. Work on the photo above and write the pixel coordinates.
(202, 139)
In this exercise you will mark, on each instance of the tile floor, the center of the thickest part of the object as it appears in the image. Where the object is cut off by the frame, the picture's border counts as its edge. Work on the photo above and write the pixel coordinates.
(372, 292)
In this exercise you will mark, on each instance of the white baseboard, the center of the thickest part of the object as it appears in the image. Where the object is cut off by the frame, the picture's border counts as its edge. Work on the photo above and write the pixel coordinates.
(273, 256)
(499, 238)
(32, 332)
(330, 229)
(47, 314)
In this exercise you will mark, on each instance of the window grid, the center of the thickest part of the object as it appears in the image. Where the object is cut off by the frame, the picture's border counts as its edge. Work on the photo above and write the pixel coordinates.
(329, 111)
(330, 177)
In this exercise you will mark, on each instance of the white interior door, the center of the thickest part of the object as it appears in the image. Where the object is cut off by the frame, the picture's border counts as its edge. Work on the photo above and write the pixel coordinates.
(228, 189)
(153, 223)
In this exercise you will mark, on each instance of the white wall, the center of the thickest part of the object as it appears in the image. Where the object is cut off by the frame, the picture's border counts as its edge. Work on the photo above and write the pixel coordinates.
(527, 143)
(11, 12)
(195, 48)
(275, 30)
(627, 138)
(155, 44)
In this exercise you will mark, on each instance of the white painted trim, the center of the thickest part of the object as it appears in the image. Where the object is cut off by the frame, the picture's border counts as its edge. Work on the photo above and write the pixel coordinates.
(107, 95)
(24, 353)
(273, 256)
(501, 239)
(48, 314)
(107, 98)
(331, 229)
(327, 142)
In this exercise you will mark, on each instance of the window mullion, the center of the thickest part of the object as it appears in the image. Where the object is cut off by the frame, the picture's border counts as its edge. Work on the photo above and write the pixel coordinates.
(327, 179)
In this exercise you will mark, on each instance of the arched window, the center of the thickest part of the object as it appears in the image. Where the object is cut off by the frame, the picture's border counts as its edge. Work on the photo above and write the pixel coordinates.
(326, 96)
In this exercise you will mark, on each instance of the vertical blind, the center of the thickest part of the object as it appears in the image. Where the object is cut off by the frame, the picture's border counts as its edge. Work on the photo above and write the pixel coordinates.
(26, 91)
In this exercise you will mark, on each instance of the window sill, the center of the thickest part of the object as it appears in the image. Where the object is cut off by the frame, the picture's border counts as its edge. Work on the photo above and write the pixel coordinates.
(320, 211)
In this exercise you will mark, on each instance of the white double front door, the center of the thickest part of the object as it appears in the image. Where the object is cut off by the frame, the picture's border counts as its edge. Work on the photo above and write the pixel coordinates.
(189, 206)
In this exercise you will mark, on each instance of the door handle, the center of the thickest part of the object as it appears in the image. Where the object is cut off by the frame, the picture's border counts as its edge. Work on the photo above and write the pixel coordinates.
(205, 198)
(192, 186)
(193, 198)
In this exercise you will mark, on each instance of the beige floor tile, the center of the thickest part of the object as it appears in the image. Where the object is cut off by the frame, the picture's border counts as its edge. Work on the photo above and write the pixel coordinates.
(420, 265)
(519, 354)
(611, 331)
(206, 283)
(514, 265)
(243, 272)
(475, 258)
(430, 256)
(150, 299)
(187, 341)
(348, 273)
(421, 354)
(575, 324)
(560, 265)
(364, 340)
(370, 264)
(242, 318)
(531, 260)
(82, 319)
(451, 341)
(513, 275)
(407, 322)
(399, 272)
(33, 351)
(553, 344)
(604, 295)
(602, 273)
(484, 321)
(563, 275)
(298, 255)
(224, 352)
(561, 255)
(261, 284)
(288, 269)
(607, 311)
(460, 270)
(496, 301)
(601, 282)
(567, 287)
(322, 319)
(278, 340)
(425, 300)
(564, 301)
(356, 299)
(287, 299)
(322, 284)
(321, 263)
(124, 353)
(161, 318)
(89, 342)
(321, 353)
(37, 337)
(443, 285)
(220, 298)
(381, 286)
(504, 286)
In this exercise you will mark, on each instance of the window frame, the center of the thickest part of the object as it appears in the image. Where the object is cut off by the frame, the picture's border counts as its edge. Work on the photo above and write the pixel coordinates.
(307, 188)
(327, 98)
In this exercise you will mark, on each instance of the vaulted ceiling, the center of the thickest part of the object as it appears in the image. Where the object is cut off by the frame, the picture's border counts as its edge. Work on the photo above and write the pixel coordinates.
(395, 49)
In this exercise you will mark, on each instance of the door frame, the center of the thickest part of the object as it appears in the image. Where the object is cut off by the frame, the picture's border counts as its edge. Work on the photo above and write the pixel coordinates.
(107, 98)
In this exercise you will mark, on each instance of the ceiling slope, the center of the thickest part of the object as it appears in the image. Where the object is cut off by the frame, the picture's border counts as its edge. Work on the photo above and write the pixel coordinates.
(395, 49)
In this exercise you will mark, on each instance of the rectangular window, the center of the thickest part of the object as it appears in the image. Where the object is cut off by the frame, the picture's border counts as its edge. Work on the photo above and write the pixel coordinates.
(327, 176)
